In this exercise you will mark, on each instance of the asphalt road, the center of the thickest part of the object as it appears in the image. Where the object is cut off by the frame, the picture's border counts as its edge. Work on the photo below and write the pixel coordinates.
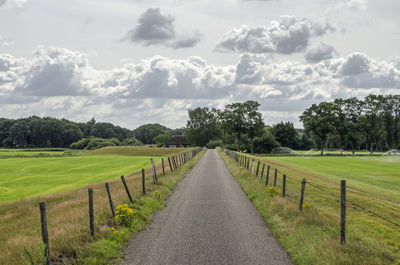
(208, 220)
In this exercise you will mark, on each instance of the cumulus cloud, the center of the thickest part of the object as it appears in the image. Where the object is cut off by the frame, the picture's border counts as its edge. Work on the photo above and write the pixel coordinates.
(12, 3)
(288, 35)
(63, 83)
(320, 53)
(352, 5)
(155, 28)
(4, 42)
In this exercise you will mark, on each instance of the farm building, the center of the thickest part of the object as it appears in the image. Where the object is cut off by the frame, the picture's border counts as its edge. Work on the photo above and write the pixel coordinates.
(178, 141)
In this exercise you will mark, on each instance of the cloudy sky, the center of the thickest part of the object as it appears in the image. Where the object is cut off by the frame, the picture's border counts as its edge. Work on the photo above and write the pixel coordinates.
(132, 62)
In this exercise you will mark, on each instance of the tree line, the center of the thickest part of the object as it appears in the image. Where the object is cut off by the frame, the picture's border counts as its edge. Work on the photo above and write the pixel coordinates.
(240, 126)
(370, 124)
(353, 124)
(51, 132)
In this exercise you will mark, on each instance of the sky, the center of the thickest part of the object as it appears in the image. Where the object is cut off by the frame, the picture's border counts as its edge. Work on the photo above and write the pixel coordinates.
(132, 62)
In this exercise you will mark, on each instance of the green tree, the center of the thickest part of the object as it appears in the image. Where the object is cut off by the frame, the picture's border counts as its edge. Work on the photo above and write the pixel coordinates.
(286, 134)
(161, 139)
(147, 132)
(320, 120)
(254, 122)
(234, 121)
(265, 143)
(203, 126)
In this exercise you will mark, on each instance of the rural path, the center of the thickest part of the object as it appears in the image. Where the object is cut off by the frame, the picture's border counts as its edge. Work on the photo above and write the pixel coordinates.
(208, 220)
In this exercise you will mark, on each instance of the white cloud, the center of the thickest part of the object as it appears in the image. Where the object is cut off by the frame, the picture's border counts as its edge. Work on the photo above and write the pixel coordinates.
(12, 3)
(322, 52)
(155, 28)
(63, 83)
(288, 35)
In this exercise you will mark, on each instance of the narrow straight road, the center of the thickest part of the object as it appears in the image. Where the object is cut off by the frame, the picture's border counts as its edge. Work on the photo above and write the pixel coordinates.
(208, 220)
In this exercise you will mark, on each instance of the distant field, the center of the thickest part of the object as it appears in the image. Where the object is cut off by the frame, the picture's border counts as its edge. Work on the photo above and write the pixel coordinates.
(136, 150)
(379, 173)
(6, 153)
(30, 172)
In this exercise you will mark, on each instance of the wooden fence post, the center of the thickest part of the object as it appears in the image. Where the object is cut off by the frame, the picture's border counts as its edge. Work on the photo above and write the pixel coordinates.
(262, 171)
(343, 211)
(110, 199)
(127, 189)
(275, 176)
(258, 168)
(284, 185)
(303, 187)
(91, 212)
(170, 166)
(248, 163)
(252, 166)
(162, 163)
(45, 233)
(154, 171)
(143, 182)
(267, 177)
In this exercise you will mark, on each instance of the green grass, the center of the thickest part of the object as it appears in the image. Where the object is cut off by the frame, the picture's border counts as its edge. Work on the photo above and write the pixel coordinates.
(312, 236)
(35, 152)
(25, 177)
(378, 173)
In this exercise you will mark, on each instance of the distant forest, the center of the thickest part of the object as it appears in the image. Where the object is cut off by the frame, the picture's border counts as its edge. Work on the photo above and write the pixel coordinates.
(51, 132)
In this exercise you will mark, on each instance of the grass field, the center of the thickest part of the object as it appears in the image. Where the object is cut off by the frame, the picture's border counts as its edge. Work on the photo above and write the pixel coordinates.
(32, 172)
(312, 236)
(25, 177)
(378, 173)
(67, 211)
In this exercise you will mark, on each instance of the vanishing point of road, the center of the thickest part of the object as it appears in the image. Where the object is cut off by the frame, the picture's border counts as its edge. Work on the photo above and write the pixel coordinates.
(208, 220)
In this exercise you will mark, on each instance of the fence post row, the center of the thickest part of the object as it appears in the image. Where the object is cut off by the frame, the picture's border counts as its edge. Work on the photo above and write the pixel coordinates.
(45, 233)
(343, 211)
(127, 189)
(91, 212)
(110, 199)
(303, 187)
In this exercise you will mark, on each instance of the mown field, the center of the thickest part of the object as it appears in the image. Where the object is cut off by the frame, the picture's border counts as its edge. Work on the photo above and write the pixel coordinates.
(31, 172)
(378, 173)
(67, 210)
(313, 236)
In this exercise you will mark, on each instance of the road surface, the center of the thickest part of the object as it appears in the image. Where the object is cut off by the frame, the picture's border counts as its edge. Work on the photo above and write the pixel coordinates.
(208, 220)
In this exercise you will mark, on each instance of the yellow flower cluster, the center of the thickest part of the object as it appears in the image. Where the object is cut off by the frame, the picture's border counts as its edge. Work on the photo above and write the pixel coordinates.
(157, 194)
(240, 167)
(124, 214)
(115, 231)
(274, 191)
(306, 205)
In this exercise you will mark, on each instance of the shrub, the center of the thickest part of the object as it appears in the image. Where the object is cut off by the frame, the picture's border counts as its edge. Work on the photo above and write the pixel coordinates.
(81, 144)
(214, 143)
(96, 143)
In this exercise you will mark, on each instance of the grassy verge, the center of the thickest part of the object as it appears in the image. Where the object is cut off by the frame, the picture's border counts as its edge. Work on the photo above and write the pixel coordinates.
(68, 223)
(312, 236)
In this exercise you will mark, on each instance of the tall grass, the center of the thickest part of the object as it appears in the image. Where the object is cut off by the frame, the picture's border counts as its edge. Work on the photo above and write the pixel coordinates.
(68, 221)
(313, 236)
